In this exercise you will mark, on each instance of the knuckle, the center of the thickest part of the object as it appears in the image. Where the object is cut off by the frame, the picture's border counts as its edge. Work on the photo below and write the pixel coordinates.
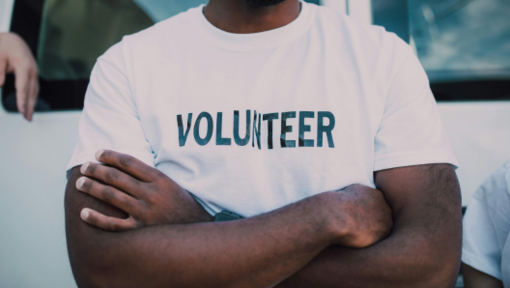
(125, 160)
(111, 175)
(129, 205)
(133, 182)
(142, 216)
(108, 194)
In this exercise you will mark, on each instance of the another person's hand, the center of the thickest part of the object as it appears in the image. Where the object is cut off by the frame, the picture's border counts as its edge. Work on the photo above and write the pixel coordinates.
(360, 214)
(143, 192)
(15, 56)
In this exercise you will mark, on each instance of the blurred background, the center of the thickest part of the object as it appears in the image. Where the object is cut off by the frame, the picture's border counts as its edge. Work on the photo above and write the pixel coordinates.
(464, 45)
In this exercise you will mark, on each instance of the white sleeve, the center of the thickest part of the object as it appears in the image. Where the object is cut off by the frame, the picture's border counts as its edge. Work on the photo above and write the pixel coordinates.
(110, 119)
(487, 224)
(480, 248)
(411, 131)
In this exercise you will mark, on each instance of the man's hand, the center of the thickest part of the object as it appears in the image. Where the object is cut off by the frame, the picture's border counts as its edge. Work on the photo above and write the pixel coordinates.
(15, 56)
(146, 194)
(259, 251)
(423, 249)
(358, 215)
(366, 216)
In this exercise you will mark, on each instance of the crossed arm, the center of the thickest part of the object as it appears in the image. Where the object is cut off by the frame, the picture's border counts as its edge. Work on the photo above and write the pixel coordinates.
(298, 245)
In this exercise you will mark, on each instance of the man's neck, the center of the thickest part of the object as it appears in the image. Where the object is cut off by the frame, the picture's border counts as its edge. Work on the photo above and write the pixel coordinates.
(237, 16)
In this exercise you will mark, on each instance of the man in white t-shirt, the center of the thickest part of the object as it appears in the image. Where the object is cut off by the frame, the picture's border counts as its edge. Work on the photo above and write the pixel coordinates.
(321, 132)
(486, 243)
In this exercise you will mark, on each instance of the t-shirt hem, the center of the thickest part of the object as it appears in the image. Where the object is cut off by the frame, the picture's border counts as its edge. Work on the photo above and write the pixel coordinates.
(206, 207)
(413, 158)
(480, 264)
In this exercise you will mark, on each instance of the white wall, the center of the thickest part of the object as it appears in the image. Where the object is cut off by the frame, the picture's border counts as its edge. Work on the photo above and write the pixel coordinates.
(480, 136)
(33, 157)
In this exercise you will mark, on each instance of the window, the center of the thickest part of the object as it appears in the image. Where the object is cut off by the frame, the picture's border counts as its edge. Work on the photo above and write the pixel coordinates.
(67, 36)
(464, 45)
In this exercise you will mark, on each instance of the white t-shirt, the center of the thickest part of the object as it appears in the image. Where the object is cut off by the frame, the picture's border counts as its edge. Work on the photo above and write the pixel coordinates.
(329, 101)
(486, 244)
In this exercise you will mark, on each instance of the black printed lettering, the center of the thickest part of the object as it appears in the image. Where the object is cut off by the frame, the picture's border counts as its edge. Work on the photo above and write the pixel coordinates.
(219, 139)
(242, 141)
(286, 129)
(321, 129)
(256, 132)
(183, 135)
(270, 117)
(305, 128)
(196, 130)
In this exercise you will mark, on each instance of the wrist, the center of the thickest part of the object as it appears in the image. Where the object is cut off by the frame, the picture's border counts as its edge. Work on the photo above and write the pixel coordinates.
(332, 217)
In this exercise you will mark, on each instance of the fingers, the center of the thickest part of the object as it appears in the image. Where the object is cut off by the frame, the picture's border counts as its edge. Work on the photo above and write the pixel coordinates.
(15, 56)
(22, 76)
(112, 177)
(32, 94)
(128, 164)
(108, 195)
(99, 220)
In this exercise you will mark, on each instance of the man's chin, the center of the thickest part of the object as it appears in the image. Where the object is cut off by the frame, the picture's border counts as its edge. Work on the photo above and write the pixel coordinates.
(264, 3)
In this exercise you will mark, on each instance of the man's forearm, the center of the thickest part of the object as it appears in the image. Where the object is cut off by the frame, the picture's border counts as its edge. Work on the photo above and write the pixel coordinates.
(255, 252)
(423, 249)
(405, 259)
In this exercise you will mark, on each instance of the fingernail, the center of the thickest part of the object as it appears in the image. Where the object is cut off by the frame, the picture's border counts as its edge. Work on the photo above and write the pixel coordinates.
(98, 154)
(79, 182)
(84, 214)
(84, 167)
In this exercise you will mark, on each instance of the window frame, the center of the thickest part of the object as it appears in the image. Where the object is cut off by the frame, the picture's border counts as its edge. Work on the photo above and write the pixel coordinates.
(444, 91)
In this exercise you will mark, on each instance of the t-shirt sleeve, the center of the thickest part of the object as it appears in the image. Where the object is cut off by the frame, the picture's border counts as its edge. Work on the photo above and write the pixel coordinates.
(110, 119)
(487, 224)
(411, 131)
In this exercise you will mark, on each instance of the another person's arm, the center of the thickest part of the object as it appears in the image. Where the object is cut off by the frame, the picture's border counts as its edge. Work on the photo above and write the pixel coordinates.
(477, 279)
(486, 231)
(15, 57)
(256, 252)
(425, 245)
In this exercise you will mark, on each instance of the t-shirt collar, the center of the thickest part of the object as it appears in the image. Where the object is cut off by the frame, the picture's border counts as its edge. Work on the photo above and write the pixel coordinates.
(251, 41)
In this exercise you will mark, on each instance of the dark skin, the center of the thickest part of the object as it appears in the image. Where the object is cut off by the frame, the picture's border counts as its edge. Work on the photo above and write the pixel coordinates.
(423, 249)
(157, 251)
(168, 239)
(476, 279)
(238, 16)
